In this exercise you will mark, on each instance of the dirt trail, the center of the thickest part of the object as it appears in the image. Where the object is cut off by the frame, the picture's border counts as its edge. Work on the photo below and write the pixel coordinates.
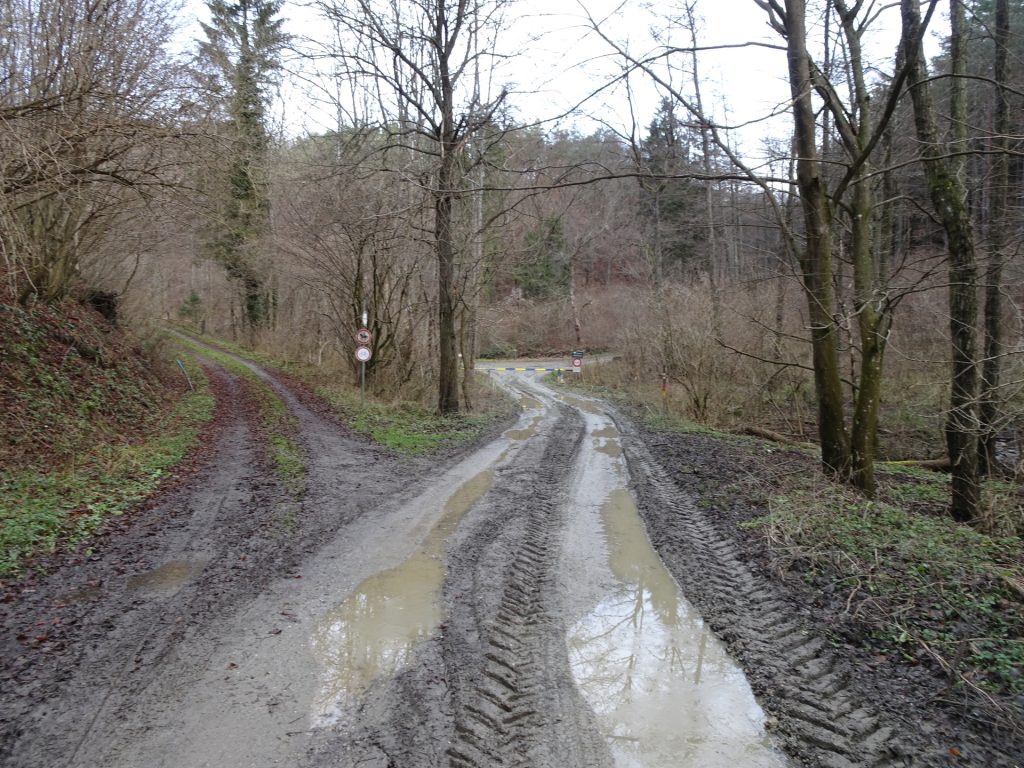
(79, 645)
(532, 570)
(95, 653)
(500, 608)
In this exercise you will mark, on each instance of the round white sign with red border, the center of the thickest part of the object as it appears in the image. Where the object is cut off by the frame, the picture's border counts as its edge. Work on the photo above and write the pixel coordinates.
(577, 362)
(363, 336)
(363, 354)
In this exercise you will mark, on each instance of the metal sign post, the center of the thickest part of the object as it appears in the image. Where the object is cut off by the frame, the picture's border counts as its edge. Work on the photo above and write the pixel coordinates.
(363, 354)
(577, 362)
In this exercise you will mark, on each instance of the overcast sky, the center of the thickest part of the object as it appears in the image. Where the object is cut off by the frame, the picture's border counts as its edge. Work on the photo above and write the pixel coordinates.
(558, 61)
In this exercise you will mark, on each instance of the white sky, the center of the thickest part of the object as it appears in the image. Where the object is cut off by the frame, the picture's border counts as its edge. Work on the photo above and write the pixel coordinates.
(558, 61)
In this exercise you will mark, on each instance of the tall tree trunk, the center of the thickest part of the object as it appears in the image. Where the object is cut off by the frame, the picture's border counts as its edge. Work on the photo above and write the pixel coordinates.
(871, 305)
(949, 198)
(991, 373)
(873, 319)
(816, 259)
(448, 373)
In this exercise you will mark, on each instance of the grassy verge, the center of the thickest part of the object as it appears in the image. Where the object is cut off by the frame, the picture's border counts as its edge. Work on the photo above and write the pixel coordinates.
(405, 427)
(923, 586)
(288, 458)
(41, 508)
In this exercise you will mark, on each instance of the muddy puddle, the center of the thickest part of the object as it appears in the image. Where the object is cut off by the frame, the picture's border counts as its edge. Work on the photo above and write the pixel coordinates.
(587, 406)
(168, 578)
(663, 689)
(526, 432)
(375, 631)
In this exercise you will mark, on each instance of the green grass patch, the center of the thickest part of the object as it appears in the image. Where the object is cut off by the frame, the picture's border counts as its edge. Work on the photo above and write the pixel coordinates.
(40, 510)
(914, 488)
(289, 463)
(404, 427)
(925, 585)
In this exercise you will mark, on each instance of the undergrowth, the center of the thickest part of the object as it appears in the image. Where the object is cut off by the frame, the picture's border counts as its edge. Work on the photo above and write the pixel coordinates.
(925, 587)
(68, 378)
(43, 507)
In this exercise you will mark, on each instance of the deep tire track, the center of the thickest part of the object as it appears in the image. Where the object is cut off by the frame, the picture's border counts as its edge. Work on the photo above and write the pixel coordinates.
(516, 687)
(818, 713)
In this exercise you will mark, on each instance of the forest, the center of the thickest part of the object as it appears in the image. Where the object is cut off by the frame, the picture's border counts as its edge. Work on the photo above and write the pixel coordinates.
(856, 286)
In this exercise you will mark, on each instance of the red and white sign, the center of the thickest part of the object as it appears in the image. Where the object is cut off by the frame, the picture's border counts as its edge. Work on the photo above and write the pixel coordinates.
(577, 362)
(363, 336)
(363, 354)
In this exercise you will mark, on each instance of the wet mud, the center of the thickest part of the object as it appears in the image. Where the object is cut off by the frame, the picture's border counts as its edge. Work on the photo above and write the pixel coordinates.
(829, 704)
(557, 596)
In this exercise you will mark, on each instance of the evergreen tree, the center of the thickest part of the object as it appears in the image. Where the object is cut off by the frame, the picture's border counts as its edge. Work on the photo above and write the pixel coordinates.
(544, 272)
(243, 43)
(673, 206)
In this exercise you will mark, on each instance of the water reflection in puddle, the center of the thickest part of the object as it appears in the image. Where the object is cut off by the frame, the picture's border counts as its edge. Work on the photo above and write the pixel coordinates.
(587, 406)
(526, 433)
(609, 448)
(664, 690)
(375, 631)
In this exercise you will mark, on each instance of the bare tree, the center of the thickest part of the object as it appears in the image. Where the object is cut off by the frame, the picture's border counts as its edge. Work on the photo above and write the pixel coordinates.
(847, 451)
(87, 99)
(950, 200)
(419, 58)
(351, 241)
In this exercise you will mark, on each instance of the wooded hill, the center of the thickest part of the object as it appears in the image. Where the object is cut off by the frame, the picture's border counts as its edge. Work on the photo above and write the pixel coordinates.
(859, 288)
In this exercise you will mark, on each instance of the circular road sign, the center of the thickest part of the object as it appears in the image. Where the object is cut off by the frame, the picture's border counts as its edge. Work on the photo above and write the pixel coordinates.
(363, 336)
(577, 362)
(363, 354)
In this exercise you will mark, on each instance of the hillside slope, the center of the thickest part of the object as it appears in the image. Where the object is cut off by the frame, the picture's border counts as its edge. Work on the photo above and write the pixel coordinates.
(93, 421)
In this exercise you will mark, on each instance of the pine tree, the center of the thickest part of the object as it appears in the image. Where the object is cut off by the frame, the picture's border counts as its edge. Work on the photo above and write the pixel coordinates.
(243, 45)
(673, 207)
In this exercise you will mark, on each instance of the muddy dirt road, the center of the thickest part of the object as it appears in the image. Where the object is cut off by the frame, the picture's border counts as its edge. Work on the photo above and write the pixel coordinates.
(504, 607)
